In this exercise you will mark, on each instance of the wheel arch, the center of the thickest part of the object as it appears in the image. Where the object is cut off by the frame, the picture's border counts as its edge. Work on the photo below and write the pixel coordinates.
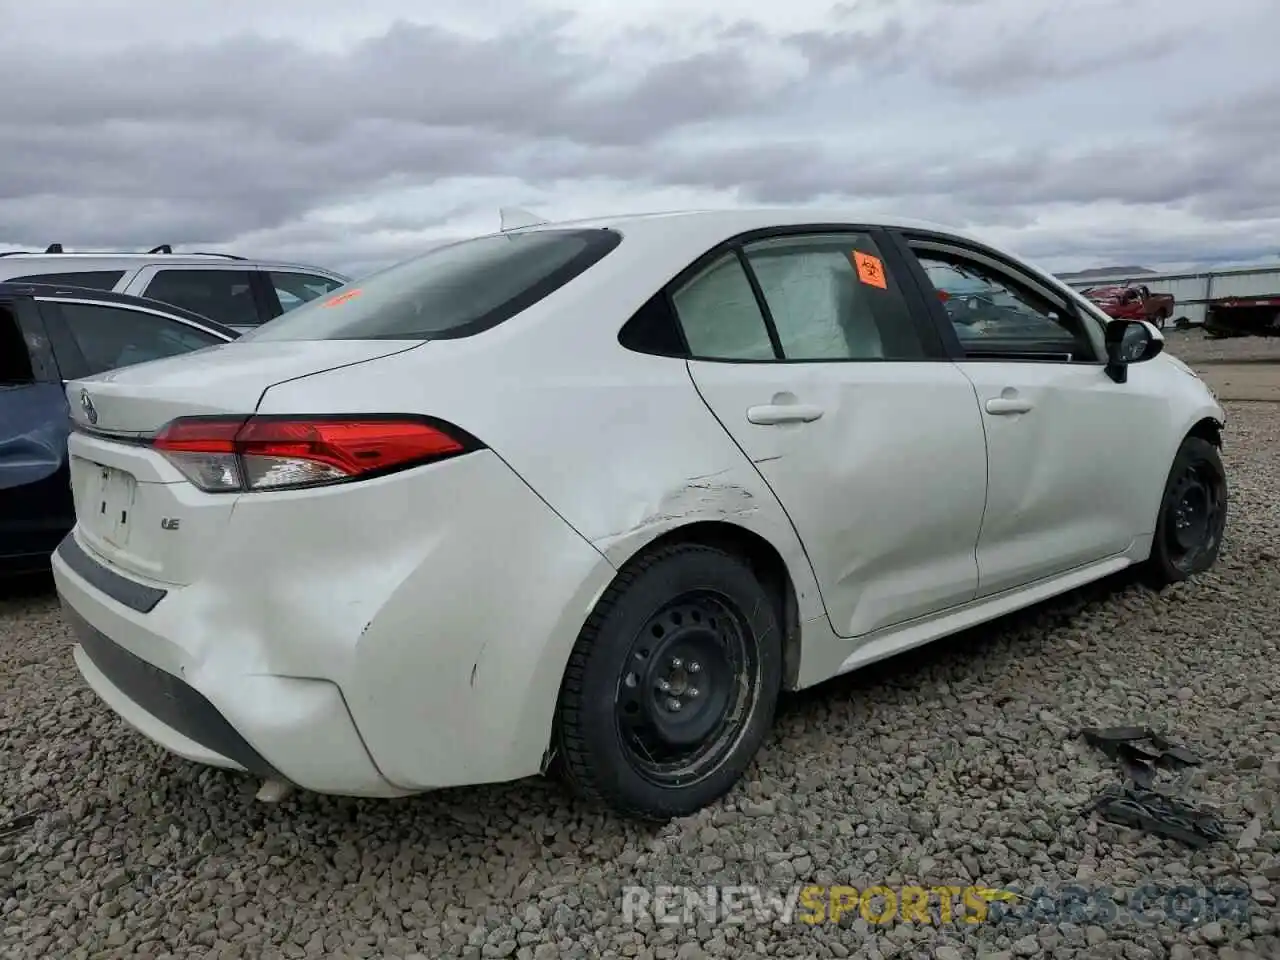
(1208, 429)
(765, 561)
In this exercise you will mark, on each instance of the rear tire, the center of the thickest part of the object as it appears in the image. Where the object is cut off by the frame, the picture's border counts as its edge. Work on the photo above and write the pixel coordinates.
(672, 684)
(1193, 515)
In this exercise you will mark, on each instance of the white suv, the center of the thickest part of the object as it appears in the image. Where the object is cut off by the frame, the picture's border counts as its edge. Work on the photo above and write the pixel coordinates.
(236, 292)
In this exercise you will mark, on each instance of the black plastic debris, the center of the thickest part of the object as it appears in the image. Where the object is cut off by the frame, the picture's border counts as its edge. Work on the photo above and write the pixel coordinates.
(1141, 753)
(1156, 813)
(11, 828)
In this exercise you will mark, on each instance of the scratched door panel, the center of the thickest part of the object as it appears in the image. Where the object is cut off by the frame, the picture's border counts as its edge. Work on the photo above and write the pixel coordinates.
(886, 488)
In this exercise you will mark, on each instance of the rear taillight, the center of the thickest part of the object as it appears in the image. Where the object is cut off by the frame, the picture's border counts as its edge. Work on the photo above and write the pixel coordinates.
(239, 454)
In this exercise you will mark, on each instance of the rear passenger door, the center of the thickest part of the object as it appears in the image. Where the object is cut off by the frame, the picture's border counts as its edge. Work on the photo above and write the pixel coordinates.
(232, 296)
(36, 508)
(820, 362)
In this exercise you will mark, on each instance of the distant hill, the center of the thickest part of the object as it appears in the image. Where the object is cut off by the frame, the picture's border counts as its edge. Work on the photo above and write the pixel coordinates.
(1104, 272)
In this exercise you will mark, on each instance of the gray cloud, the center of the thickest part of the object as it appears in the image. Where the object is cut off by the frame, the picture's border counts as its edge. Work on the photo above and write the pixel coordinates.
(248, 136)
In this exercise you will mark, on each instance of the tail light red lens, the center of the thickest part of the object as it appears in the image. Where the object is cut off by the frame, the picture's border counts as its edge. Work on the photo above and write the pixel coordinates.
(239, 454)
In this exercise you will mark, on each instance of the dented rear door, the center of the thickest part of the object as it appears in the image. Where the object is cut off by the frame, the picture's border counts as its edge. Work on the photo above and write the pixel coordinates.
(36, 508)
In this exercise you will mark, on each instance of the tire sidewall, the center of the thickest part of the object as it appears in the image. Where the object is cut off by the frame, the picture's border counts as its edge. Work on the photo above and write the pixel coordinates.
(681, 573)
(1193, 449)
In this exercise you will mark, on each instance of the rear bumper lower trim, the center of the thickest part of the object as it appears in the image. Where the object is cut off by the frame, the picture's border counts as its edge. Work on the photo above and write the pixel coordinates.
(170, 700)
(130, 593)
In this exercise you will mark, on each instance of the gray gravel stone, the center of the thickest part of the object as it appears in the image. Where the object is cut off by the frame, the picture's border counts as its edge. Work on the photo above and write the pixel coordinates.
(954, 765)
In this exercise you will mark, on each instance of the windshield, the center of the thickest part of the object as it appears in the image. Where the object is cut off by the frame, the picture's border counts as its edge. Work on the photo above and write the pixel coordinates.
(453, 291)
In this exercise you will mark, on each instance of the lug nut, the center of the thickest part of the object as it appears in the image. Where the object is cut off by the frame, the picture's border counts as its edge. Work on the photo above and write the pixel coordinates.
(664, 685)
(694, 666)
(693, 691)
(674, 704)
(676, 663)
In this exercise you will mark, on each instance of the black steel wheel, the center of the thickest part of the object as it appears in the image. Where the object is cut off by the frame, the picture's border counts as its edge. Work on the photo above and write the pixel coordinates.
(691, 675)
(1193, 514)
(672, 684)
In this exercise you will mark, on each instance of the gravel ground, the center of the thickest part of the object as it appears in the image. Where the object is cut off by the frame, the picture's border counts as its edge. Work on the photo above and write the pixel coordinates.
(953, 765)
(1194, 347)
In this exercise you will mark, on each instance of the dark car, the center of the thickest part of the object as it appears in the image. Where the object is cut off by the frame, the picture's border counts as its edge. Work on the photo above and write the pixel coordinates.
(48, 336)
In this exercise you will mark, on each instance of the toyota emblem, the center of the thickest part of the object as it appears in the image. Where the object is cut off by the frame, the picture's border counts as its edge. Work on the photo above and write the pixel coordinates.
(86, 405)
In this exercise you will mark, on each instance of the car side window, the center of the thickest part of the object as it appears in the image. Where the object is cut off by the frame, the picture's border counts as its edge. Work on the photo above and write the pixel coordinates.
(294, 289)
(110, 337)
(222, 295)
(994, 314)
(718, 312)
(16, 368)
(831, 298)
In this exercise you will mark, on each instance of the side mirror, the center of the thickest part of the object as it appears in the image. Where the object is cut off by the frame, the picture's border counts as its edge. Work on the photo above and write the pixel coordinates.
(1129, 342)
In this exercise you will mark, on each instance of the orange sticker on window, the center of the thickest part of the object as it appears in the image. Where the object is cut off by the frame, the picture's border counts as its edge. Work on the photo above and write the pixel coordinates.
(343, 297)
(870, 269)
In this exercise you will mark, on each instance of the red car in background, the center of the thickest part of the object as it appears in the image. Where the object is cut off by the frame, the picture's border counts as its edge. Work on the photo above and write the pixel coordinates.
(1133, 303)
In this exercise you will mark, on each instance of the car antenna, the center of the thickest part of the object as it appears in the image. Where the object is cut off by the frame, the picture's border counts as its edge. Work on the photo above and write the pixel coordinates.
(516, 218)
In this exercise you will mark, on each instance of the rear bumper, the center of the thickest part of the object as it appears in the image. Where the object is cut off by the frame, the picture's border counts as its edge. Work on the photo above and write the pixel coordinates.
(160, 705)
(404, 634)
(298, 730)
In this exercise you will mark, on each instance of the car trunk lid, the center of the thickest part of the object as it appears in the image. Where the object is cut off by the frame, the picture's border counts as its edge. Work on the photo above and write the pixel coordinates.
(134, 509)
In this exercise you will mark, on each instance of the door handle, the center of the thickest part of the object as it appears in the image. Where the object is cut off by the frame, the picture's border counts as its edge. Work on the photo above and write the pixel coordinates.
(771, 413)
(1004, 406)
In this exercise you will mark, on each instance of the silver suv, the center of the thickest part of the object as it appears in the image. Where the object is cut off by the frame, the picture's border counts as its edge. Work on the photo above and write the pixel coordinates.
(231, 290)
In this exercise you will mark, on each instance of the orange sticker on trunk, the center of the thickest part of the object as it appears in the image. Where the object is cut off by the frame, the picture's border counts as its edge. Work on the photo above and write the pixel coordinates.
(343, 297)
(870, 270)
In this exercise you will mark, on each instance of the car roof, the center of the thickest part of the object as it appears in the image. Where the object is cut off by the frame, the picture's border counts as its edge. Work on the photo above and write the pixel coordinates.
(743, 220)
(694, 231)
(62, 291)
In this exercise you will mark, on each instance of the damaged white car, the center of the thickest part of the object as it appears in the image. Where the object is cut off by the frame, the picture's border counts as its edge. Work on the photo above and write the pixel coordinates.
(590, 495)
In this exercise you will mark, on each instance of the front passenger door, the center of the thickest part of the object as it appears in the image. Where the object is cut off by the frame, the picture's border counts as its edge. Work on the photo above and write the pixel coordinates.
(809, 354)
(1065, 442)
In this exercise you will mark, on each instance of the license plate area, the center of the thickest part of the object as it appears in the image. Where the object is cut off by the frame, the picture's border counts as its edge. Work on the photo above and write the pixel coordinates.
(109, 503)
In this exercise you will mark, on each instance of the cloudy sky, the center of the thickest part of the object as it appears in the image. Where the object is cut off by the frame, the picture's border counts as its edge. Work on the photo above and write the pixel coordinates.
(1078, 132)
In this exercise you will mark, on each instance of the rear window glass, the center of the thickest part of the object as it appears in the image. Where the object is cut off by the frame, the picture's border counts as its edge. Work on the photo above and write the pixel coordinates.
(451, 291)
(88, 279)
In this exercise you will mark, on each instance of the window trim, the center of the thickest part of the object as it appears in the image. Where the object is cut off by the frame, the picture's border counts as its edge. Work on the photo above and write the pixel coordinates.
(900, 267)
(1008, 270)
(65, 348)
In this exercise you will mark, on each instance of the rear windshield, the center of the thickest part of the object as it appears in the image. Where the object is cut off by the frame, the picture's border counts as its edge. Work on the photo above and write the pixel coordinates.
(452, 291)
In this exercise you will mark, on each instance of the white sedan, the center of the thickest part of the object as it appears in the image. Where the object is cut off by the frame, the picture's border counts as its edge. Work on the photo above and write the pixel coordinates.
(588, 495)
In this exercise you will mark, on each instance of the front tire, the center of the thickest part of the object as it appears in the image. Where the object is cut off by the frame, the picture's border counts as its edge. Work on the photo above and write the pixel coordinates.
(1193, 515)
(672, 684)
